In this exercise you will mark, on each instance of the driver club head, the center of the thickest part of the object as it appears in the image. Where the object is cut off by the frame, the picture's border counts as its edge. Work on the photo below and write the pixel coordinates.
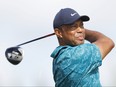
(14, 55)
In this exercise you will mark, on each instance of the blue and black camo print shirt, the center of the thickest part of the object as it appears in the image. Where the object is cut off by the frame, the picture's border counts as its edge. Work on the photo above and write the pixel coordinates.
(77, 66)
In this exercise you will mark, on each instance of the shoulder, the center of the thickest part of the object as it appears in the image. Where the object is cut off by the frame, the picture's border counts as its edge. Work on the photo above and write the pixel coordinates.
(87, 49)
(84, 47)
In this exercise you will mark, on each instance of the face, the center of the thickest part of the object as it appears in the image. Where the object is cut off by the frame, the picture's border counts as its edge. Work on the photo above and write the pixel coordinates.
(72, 34)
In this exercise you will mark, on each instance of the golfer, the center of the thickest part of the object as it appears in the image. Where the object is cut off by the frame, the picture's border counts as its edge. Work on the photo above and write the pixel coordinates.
(75, 63)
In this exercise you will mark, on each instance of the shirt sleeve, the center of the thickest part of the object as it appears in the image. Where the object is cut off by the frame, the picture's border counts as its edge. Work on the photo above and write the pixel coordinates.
(86, 58)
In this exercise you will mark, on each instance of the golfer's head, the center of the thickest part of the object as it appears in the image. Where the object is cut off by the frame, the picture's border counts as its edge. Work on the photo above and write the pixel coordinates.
(68, 26)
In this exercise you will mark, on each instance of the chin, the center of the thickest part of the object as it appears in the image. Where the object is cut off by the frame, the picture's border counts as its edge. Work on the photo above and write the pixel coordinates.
(79, 43)
(76, 44)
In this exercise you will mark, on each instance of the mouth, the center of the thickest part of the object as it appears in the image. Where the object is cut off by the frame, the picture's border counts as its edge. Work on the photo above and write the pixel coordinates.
(81, 38)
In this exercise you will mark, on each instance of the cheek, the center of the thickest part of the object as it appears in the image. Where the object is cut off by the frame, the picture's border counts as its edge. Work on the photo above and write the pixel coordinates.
(84, 33)
(69, 36)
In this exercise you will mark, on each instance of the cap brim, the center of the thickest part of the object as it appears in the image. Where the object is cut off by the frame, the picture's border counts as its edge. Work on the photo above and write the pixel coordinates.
(84, 18)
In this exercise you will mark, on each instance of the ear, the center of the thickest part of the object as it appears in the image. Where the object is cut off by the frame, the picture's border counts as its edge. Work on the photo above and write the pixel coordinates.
(58, 32)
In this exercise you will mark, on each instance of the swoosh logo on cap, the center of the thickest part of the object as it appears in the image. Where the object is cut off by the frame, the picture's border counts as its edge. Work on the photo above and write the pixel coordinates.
(72, 14)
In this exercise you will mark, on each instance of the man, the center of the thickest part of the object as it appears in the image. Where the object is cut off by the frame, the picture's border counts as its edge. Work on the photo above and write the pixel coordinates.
(75, 63)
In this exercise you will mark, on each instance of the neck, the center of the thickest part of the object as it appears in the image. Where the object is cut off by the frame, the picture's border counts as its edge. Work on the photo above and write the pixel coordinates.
(61, 42)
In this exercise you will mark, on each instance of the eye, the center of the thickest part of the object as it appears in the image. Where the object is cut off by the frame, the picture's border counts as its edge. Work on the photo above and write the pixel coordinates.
(81, 25)
(73, 26)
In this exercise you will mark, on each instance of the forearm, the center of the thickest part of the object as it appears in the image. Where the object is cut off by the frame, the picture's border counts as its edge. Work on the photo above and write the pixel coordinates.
(104, 43)
(93, 36)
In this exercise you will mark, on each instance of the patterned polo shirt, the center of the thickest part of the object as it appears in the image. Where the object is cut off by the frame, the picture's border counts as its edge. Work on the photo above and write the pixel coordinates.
(77, 66)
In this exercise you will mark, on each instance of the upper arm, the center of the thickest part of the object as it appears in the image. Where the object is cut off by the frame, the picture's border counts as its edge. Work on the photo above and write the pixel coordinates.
(105, 45)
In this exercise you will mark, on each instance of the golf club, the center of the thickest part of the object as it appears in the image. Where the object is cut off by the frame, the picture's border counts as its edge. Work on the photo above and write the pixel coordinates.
(15, 54)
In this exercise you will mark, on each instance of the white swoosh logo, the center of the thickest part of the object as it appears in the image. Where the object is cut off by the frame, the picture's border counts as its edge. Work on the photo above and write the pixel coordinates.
(72, 14)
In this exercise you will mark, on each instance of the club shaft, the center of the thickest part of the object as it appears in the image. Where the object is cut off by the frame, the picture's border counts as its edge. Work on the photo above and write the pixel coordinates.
(36, 39)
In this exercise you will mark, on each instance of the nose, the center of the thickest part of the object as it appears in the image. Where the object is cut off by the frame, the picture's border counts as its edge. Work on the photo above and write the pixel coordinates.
(79, 30)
